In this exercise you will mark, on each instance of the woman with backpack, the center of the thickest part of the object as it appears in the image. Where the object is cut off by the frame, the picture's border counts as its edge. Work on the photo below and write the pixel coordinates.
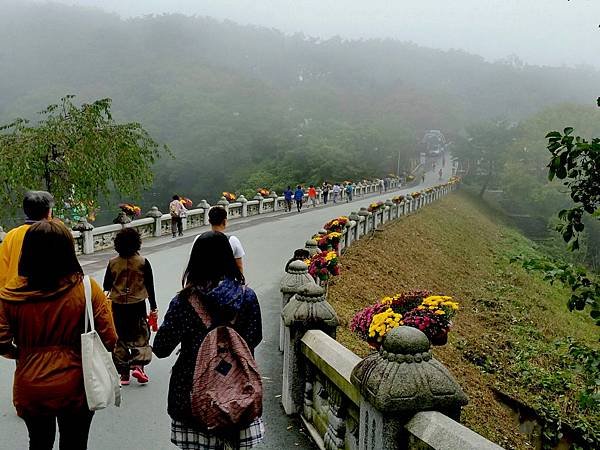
(41, 322)
(214, 311)
(129, 281)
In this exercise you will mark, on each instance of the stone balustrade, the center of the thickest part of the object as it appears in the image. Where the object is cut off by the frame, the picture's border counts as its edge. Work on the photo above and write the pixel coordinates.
(90, 239)
(399, 397)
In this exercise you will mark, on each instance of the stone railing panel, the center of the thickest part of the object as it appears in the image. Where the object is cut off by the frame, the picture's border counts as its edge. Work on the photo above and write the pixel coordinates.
(195, 218)
(165, 225)
(234, 210)
(104, 237)
(253, 207)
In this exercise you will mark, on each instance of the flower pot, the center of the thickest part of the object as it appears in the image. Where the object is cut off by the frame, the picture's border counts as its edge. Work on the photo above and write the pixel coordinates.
(439, 339)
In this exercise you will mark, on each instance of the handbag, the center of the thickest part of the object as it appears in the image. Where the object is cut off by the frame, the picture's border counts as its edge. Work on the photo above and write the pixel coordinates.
(100, 377)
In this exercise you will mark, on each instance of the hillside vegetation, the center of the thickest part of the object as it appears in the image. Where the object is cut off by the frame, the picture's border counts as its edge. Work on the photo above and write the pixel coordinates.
(513, 332)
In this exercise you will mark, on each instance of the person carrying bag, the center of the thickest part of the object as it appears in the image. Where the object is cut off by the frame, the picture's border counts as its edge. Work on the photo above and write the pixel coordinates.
(63, 371)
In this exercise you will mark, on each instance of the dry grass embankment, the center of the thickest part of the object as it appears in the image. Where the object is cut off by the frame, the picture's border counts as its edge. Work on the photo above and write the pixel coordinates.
(511, 329)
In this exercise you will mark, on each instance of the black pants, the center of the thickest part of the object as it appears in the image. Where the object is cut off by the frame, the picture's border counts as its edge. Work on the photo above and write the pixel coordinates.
(74, 428)
(325, 196)
(177, 225)
(299, 205)
(288, 205)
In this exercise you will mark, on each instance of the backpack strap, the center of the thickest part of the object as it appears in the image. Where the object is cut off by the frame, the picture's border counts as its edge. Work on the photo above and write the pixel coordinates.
(204, 315)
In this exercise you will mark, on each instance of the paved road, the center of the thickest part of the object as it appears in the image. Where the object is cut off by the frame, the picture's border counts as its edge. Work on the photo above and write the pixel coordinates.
(142, 423)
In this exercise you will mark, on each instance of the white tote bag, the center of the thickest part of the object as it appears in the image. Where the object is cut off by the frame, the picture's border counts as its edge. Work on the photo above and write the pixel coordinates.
(100, 377)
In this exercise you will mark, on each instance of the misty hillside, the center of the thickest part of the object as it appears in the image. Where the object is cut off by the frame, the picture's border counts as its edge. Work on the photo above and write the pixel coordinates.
(243, 107)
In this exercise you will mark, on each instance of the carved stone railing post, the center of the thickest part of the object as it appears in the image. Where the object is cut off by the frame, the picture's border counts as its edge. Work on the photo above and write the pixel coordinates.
(156, 215)
(121, 219)
(364, 214)
(312, 247)
(294, 279)
(400, 380)
(273, 195)
(223, 203)
(260, 200)
(307, 310)
(87, 236)
(205, 207)
(354, 217)
(241, 199)
(389, 204)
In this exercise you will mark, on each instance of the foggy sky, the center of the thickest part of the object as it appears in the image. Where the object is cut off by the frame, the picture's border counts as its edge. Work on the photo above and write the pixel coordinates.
(545, 32)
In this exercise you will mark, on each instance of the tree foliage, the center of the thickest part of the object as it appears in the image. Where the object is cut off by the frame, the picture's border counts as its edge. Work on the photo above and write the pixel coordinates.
(75, 152)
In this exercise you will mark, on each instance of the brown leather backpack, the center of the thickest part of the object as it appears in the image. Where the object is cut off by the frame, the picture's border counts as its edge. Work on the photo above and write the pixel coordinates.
(227, 388)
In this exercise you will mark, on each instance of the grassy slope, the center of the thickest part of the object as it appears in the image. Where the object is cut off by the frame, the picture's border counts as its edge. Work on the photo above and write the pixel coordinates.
(505, 332)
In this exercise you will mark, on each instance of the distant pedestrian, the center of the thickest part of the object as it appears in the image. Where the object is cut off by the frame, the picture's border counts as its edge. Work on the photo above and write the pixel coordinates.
(337, 189)
(213, 295)
(217, 217)
(299, 197)
(129, 281)
(287, 195)
(37, 205)
(312, 196)
(440, 173)
(349, 192)
(433, 166)
(178, 212)
(325, 190)
(41, 322)
(423, 178)
(381, 186)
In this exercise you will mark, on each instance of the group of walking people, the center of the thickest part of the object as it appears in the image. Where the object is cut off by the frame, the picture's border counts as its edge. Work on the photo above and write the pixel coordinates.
(42, 303)
(336, 191)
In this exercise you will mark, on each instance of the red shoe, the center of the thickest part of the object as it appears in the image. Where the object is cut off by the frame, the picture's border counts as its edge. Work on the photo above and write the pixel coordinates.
(125, 380)
(139, 374)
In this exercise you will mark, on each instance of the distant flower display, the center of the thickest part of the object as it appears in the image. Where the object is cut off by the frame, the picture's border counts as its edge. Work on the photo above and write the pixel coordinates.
(398, 199)
(336, 225)
(329, 241)
(130, 209)
(229, 197)
(324, 265)
(186, 202)
(263, 191)
(432, 314)
(375, 206)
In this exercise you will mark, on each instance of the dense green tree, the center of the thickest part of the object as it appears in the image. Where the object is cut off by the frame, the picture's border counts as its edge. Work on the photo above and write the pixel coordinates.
(75, 152)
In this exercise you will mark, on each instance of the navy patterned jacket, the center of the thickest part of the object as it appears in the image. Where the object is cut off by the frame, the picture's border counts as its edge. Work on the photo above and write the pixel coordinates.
(182, 326)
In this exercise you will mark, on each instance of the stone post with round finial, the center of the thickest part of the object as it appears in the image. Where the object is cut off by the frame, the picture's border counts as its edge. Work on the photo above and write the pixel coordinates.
(241, 199)
(86, 229)
(403, 378)
(312, 247)
(155, 214)
(306, 310)
(293, 281)
(205, 207)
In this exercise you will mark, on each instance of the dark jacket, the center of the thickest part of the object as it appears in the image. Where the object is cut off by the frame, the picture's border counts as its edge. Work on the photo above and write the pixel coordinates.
(42, 329)
(182, 325)
(287, 194)
(298, 195)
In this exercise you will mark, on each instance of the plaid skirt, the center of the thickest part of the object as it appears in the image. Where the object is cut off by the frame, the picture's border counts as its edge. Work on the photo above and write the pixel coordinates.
(189, 438)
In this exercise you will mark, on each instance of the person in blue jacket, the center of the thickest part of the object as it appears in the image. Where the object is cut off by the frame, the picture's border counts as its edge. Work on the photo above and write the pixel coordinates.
(299, 197)
(288, 194)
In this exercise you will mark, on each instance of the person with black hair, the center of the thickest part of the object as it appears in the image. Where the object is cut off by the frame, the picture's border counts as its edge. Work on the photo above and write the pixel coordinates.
(37, 205)
(217, 217)
(213, 279)
(129, 281)
(41, 322)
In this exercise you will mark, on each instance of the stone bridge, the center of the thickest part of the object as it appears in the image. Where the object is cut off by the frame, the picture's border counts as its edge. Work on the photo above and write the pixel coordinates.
(269, 239)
